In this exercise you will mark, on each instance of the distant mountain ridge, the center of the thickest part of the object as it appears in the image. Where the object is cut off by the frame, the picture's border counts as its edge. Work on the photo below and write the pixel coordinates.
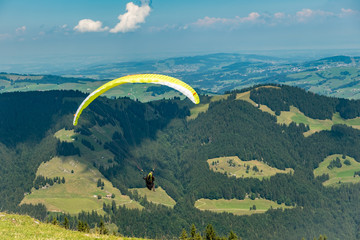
(337, 76)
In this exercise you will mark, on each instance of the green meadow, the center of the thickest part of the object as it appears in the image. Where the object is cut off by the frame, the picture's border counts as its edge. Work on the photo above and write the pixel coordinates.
(14, 226)
(233, 166)
(99, 134)
(238, 207)
(79, 192)
(65, 135)
(316, 125)
(337, 176)
(157, 197)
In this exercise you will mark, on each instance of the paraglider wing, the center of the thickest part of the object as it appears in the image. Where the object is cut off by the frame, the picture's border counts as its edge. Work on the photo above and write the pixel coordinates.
(139, 78)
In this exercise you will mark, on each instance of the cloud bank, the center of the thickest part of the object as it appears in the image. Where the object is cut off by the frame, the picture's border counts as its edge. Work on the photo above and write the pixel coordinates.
(303, 16)
(208, 21)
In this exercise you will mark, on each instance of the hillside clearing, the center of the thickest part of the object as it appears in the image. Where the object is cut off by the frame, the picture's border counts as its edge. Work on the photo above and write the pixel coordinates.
(337, 176)
(65, 135)
(99, 135)
(233, 166)
(238, 207)
(79, 192)
(158, 197)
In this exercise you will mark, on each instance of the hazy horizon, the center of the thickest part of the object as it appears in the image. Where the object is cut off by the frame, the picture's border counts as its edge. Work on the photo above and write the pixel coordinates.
(76, 33)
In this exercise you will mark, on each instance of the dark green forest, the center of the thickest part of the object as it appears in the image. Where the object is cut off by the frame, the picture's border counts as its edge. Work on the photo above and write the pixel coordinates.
(157, 134)
(313, 105)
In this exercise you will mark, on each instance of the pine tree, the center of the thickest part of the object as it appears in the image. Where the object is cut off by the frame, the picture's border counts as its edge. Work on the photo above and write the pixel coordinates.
(113, 206)
(86, 227)
(102, 227)
(54, 221)
(198, 236)
(81, 226)
(63, 180)
(193, 231)
(210, 233)
(66, 223)
(232, 236)
(183, 235)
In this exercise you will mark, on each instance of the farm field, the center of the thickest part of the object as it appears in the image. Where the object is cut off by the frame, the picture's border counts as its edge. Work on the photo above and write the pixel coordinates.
(157, 197)
(337, 176)
(233, 166)
(238, 207)
(79, 192)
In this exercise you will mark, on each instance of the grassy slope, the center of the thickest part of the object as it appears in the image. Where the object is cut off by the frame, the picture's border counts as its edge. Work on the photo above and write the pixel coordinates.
(79, 191)
(65, 135)
(239, 170)
(24, 227)
(237, 207)
(157, 197)
(337, 176)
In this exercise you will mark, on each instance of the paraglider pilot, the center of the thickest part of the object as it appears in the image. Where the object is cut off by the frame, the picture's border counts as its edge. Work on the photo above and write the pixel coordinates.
(149, 179)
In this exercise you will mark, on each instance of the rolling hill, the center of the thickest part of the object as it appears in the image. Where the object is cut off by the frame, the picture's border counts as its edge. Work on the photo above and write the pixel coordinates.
(117, 137)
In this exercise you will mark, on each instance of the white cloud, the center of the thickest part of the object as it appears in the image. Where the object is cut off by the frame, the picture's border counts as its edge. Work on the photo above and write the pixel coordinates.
(303, 16)
(20, 30)
(347, 12)
(88, 25)
(4, 36)
(165, 27)
(279, 15)
(252, 17)
(307, 14)
(130, 20)
(210, 21)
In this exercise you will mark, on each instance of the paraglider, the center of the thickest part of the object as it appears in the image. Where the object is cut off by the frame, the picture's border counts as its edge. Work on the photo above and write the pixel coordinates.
(139, 78)
(149, 180)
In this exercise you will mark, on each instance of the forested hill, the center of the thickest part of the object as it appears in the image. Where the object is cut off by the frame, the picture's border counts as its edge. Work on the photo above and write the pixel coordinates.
(312, 105)
(159, 134)
(29, 120)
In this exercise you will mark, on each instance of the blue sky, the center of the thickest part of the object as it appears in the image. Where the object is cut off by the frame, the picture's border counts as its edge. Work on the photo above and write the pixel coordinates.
(98, 30)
